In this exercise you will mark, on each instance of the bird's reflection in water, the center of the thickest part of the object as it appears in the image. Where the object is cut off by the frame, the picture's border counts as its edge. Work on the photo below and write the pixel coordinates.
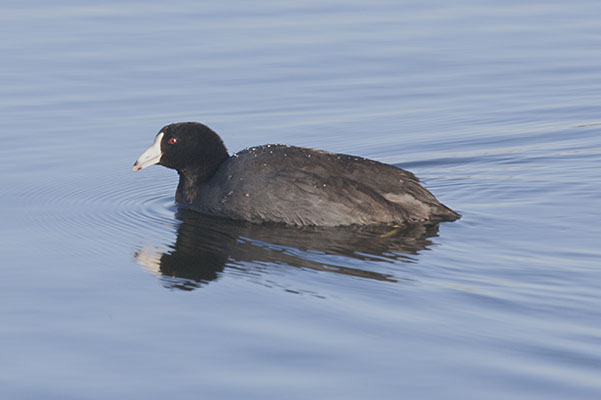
(206, 245)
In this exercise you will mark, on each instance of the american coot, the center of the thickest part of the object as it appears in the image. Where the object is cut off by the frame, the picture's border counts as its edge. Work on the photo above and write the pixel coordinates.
(288, 184)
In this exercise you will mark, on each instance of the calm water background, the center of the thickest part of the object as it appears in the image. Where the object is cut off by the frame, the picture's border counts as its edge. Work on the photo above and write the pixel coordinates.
(495, 105)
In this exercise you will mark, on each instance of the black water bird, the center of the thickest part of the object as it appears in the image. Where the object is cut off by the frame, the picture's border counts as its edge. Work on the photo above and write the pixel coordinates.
(288, 184)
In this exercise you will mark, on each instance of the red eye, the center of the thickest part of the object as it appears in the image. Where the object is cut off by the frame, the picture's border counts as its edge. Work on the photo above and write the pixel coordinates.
(172, 140)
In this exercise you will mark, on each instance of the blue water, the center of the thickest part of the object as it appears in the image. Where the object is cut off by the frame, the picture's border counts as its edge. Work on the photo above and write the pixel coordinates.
(110, 291)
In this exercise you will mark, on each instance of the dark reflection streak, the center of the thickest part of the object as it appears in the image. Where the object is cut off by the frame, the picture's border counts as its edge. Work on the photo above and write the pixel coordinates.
(283, 256)
(587, 125)
(206, 245)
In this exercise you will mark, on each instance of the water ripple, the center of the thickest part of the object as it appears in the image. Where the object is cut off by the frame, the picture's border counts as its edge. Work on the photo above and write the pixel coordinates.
(106, 208)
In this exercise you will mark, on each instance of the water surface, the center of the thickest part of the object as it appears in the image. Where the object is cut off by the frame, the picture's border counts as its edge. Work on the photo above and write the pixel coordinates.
(109, 290)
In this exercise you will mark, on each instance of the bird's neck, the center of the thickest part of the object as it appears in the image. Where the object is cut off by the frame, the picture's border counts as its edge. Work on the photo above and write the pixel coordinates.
(191, 181)
(197, 174)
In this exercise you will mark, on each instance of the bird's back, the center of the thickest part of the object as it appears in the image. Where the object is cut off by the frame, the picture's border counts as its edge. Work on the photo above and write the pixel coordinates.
(300, 186)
